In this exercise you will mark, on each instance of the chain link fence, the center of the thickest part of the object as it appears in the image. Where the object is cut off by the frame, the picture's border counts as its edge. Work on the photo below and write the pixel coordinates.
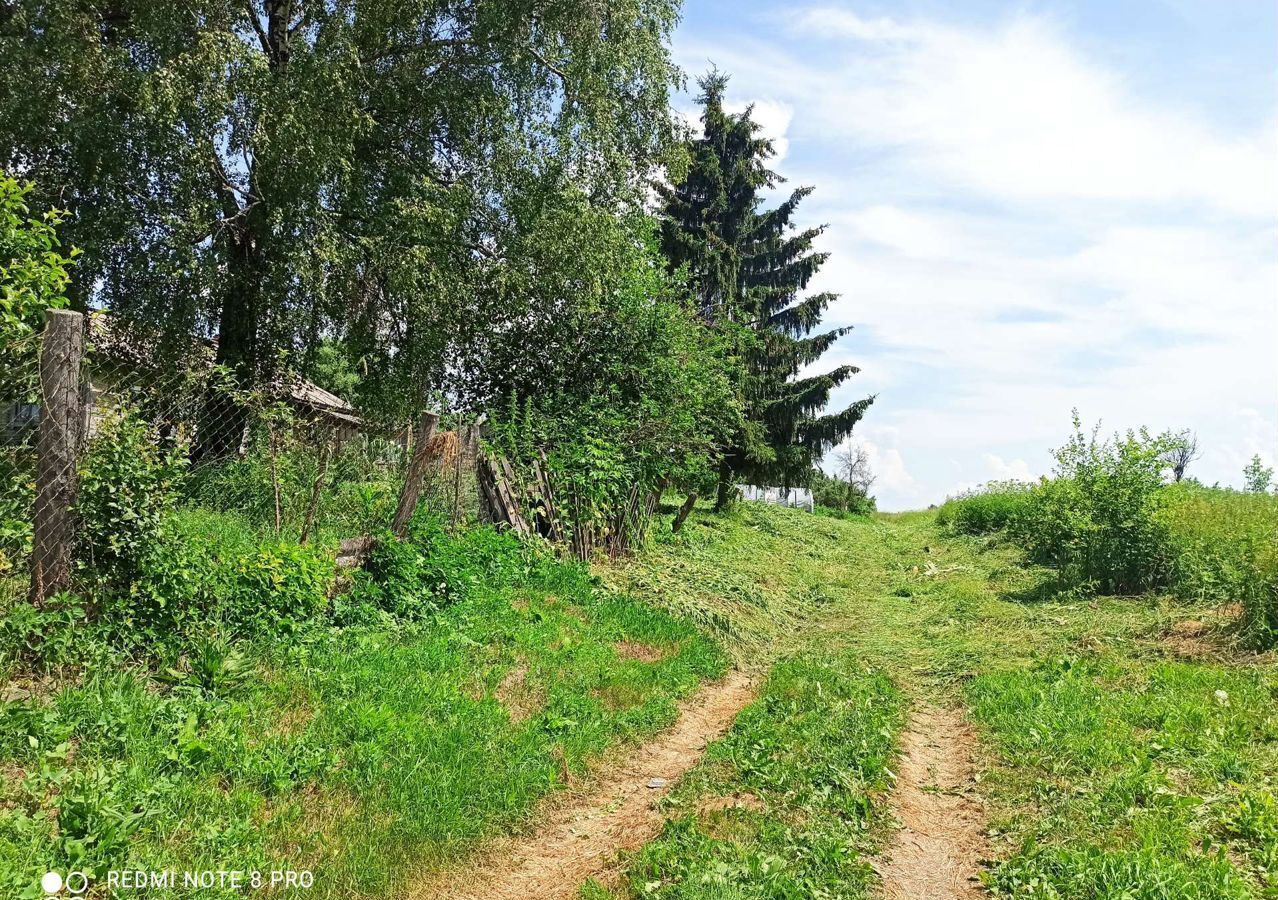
(103, 429)
(20, 404)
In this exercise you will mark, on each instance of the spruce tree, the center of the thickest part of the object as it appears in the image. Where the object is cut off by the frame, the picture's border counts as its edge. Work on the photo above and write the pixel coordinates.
(749, 266)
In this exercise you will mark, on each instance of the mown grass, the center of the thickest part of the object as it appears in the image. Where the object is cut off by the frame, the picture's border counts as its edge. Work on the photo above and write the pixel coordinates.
(1124, 756)
(754, 577)
(786, 804)
(365, 755)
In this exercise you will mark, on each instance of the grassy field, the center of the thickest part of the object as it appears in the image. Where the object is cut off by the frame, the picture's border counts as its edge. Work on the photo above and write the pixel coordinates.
(361, 754)
(1127, 751)
(1128, 748)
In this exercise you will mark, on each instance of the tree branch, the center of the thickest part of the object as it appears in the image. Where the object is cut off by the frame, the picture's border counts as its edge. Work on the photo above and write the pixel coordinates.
(549, 65)
(257, 26)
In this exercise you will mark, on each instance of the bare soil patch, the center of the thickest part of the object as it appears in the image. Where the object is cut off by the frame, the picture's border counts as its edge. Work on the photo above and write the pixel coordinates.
(580, 838)
(521, 699)
(1209, 636)
(640, 651)
(936, 852)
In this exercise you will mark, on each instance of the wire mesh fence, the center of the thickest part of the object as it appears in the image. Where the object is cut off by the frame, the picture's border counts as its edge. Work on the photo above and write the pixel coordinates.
(104, 433)
(19, 434)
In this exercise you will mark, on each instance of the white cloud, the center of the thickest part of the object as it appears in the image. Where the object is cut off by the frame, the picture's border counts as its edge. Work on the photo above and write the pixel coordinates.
(845, 23)
(1004, 470)
(1014, 111)
(1015, 234)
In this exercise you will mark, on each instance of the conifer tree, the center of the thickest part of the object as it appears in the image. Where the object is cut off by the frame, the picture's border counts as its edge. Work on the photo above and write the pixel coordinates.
(749, 266)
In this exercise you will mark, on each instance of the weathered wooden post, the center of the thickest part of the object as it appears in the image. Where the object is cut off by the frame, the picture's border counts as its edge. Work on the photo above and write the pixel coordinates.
(684, 512)
(61, 430)
(416, 473)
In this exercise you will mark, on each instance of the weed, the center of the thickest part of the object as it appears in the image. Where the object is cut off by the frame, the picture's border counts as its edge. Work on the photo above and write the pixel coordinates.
(996, 506)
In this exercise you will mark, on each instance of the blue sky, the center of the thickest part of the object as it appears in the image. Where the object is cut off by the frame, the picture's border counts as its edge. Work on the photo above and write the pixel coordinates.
(1031, 207)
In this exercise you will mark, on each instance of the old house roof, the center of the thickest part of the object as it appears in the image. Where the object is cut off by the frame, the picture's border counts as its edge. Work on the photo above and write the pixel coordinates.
(131, 348)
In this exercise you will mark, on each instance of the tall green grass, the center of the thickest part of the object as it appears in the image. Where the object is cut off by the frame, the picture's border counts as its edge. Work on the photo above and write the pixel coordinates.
(1200, 543)
(1224, 548)
(1135, 781)
(994, 507)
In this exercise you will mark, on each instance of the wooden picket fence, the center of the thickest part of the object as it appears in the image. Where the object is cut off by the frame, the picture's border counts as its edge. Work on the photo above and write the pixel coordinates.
(529, 506)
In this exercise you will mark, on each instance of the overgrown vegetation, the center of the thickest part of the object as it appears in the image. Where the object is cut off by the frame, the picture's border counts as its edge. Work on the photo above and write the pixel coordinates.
(999, 505)
(639, 399)
(1109, 521)
(475, 676)
(837, 496)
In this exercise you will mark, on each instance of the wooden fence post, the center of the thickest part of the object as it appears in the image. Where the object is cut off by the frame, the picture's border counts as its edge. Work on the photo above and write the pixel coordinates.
(684, 512)
(57, 448)
(416, 473)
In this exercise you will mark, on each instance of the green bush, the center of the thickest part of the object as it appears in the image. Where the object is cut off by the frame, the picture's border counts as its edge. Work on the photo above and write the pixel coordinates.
(1109, 521)
(17, 491)
(997, 506)
(413, 578)
(278, 589)
(1097, 521)
(639, 394)
(840, 498)
(33, 279)
(204, 570)
(395, 580)
(128, 483)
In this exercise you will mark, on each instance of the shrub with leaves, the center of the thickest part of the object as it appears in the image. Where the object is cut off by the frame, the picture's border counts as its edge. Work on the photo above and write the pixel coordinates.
(128, 482)
(840, 497)
(414, 578)
(33, 279)
(1096, 519)
(394, 579)
(1109, 521)
(633, 393)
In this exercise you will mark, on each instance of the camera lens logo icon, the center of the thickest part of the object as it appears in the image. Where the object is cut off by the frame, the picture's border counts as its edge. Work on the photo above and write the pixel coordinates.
(75, 883)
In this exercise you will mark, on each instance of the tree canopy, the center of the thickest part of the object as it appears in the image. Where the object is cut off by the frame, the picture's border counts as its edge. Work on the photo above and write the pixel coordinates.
(750, 265)
(275, 172)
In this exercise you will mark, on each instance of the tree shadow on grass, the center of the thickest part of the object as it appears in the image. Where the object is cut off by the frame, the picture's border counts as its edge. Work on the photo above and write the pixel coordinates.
(1047, 586)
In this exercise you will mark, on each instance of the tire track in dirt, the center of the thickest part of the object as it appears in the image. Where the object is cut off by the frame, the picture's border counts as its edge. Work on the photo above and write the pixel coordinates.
(581, 838)
(936, 853)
